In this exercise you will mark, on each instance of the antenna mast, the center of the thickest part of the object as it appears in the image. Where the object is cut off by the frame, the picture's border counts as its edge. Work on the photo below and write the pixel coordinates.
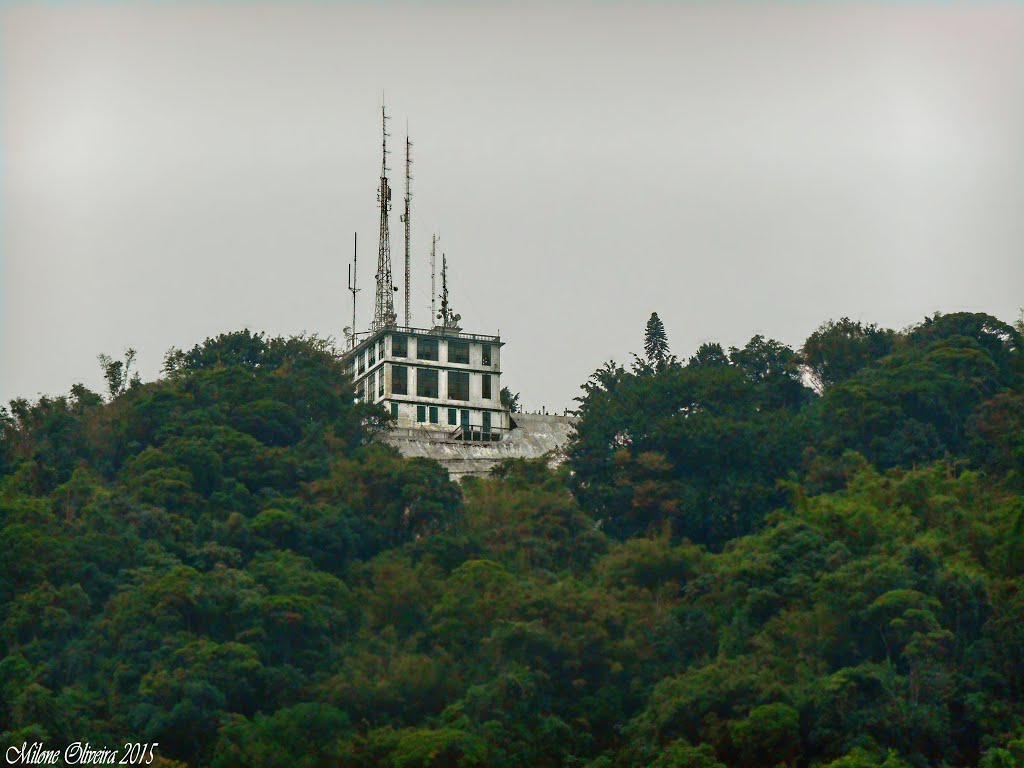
(352, 277)
(384, 309)
(444, 289)
(405, 218)
(433, 278)
(447, 316)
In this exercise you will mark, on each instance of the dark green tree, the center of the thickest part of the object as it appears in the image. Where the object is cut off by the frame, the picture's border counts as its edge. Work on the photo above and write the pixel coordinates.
(118, 373)
(656, 342)
(838, 349)
(509, 400)
(710, 353)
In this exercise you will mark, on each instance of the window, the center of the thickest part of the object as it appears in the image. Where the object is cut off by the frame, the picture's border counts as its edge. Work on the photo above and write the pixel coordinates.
(486, 385)
(465, 419)
(485, 356)
(394, 411)
(399, 380)
(433, 414)
(362, 363)
(426, 382)
(380, 383)
(372, 355)
(380, 349)
(421, 413)
(487, 422)
(458, 352)
(458, 385)
(426, 349)
(453, 416)
(399, 348)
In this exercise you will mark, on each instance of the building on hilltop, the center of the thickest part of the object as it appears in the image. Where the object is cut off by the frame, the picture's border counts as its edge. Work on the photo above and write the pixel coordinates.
(439, 379)
(441, 385)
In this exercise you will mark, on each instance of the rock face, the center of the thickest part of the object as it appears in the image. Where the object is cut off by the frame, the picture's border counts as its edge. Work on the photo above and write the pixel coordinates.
(534, 436)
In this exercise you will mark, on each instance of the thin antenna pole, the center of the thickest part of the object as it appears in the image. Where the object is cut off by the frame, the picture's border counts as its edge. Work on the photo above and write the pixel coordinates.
(444, 283)
(353, 272)
(433, 279)
(406, 218)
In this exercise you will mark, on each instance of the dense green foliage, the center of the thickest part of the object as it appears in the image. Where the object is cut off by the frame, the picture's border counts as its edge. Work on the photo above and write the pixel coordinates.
(731, 570)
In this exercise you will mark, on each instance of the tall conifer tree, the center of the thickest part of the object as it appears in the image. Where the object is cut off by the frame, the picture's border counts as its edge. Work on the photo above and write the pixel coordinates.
(656, 342)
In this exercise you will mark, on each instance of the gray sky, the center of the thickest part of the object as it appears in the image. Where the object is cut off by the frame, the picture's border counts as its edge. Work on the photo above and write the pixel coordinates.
(173, 170)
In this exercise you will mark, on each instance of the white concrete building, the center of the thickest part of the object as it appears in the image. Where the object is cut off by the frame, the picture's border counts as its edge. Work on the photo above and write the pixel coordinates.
(441, 379)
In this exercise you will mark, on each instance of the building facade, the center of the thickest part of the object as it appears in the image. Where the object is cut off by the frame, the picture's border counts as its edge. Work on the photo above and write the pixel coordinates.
(439, 379)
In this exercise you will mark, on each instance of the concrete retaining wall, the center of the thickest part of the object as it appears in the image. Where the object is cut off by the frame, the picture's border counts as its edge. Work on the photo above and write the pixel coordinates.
(535, 436)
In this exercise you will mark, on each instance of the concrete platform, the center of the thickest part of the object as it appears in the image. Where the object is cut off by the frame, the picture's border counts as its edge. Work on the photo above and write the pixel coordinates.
(534, 436)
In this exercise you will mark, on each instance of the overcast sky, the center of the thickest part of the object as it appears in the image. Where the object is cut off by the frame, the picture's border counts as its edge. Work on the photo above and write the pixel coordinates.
(171, 171)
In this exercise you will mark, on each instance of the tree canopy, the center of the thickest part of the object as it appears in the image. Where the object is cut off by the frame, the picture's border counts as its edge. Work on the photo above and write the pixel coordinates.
(732, 569)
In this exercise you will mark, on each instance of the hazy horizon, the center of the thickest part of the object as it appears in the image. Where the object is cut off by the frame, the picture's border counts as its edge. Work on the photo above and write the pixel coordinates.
(169, 172)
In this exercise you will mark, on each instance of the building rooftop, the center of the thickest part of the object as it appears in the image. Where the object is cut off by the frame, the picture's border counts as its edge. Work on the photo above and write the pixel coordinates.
(438, 331)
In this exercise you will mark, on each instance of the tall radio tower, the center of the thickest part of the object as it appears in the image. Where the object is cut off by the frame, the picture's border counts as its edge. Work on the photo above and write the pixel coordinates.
(405, 218)
(384, 309)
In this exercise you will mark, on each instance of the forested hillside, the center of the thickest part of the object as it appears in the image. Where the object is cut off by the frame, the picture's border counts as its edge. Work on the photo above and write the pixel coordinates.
(752, 557)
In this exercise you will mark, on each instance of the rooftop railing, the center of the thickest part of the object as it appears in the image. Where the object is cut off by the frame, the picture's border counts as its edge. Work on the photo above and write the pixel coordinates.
(361, 337)
(444, 332)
